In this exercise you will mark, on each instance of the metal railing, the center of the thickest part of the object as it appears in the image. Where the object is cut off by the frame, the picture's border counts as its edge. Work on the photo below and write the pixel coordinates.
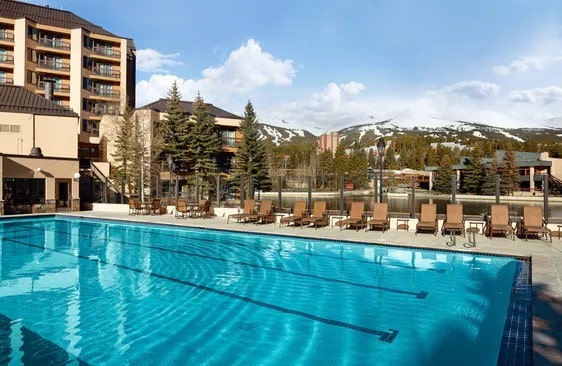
(6, 36)
(105, 51)
(54, 43)
(101, 109)
(102, 92)
(6, 59)
(53, 65)
(6, 81)
(103, 72)
(57, 88)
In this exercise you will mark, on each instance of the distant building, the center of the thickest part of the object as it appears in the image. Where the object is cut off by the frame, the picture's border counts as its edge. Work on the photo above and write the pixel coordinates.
(329, 142)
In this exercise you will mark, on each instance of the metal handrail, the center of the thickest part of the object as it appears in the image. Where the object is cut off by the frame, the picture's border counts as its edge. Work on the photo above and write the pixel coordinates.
(53, 65)
(108, 73)
(104, 51)
(58, 88)
(54, 43)
(104, 93)
(7, 36)
(7, 59)
(6, 81)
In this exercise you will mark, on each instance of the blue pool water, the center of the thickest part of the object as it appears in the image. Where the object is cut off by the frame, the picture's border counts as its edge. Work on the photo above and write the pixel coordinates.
(105, 292)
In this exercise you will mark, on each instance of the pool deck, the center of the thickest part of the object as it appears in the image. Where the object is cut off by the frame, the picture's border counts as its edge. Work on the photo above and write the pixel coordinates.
(546, 261)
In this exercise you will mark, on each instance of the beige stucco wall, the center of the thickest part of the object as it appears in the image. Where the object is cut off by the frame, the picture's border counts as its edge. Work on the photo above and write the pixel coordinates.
(51, 169)
(556, 168)
(55, 135)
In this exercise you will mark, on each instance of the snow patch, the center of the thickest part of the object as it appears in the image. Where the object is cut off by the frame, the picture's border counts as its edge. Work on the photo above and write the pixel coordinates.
(507, 134)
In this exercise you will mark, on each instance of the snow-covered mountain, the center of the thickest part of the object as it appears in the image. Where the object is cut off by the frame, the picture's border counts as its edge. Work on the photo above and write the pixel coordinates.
(367, 130)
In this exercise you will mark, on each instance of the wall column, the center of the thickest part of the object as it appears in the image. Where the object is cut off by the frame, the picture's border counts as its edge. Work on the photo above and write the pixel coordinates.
(532, 179)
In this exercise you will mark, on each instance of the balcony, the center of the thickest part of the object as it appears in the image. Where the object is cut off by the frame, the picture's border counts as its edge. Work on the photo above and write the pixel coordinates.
(6, 36)
(100, 109)
(53, 65)
(6, 81)
(6, 59)
(230, 141)
(57, 88)
(58, 44)
(105, 73)
(106, 51)
(103, 92)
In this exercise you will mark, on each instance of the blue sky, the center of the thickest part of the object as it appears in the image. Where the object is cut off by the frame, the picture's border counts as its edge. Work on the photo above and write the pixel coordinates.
(323, 65)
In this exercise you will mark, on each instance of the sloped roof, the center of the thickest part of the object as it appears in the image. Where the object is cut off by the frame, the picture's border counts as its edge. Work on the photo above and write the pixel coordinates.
(45, 15)
(17, 99)
(160, 106)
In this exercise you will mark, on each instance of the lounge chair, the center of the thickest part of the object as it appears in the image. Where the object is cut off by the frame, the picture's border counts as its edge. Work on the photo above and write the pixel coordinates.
(296, 216)
(182, 208)
(533, 223)
(499, 221)
(454, 221)
(428, 218)
(355, 218)
(249, 207)
(134, 207)
(155, 206)
(265, 214)
(380, 218)
(318, 216)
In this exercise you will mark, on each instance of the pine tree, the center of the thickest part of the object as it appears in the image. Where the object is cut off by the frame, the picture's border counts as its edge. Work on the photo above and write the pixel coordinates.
(473, 177)
(390, 158)
(442, 181)
(340, 162)
(326, 170)
(251, 158)
(509, 172)
(357, 168)
(204, 144)
(123, 143)
(175, 130)
(489, 182)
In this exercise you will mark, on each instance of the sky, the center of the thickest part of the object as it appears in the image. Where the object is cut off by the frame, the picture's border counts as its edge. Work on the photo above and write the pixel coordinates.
(323, 65)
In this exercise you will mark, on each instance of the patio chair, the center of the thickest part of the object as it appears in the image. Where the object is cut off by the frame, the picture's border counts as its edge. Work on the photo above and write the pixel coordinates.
(249, 207)
(355, 218)
(155, 206)
(534, 223)
(133, 207)
(201, 210)
(318, 216)
(265, 214)
(380, 218)
(454, 221)
(499, 221)
(296, 216)
(428, 219)
(182, 208)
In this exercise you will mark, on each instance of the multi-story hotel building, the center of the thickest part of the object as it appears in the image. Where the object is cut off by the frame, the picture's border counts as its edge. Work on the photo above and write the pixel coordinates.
(92, 70)
(329, 142)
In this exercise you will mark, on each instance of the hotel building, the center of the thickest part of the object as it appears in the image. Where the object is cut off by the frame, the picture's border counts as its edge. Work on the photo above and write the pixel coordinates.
(92, 70)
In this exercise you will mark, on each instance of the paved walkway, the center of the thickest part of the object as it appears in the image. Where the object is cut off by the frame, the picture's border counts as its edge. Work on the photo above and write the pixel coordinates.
(546, 263)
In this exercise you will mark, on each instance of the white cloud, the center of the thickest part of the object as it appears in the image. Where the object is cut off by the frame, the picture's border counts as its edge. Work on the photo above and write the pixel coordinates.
(473, 89)
(546, 95)
(150, 60)
(352, 87)
(246, 68)
(524, 64)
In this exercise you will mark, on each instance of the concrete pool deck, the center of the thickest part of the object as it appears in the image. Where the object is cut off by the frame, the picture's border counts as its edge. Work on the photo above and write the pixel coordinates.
(546, 260)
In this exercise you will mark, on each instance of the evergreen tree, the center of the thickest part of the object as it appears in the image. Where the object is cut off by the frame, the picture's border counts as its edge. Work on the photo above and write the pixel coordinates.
(390, 158)
(509, 172)
(175, 130)
(340, 162)
(475, 172)
(357, 168)
(442, 181)
(326, 170)
(124, 145)
(489, 182)
(251, 159)
(431, 157)
(204, 144)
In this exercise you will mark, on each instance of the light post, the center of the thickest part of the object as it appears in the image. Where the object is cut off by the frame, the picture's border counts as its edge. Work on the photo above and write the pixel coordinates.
(170, 166)
(381, 146)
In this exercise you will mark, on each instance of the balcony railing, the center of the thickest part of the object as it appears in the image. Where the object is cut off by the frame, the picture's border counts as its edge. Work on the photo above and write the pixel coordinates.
(6, 36)
(53, 65)
(230, 141)
(102, 92)
(6, 81)
(101, 109)
(105, 51)
(57, 88)
(105, 72)
(54, 43)
(7, 59)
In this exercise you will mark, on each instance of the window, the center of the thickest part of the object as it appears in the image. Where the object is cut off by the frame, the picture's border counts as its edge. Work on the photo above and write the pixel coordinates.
(85, 125)
(18, 191)
(3, 33)
(32, 33)
(95, 129)
(228, 137)
(3, 55)
(10, 128)
(4, 128)
(15, 128)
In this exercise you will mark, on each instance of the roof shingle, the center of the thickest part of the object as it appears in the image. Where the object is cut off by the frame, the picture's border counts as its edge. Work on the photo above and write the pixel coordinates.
(17, 99)
(160, 106)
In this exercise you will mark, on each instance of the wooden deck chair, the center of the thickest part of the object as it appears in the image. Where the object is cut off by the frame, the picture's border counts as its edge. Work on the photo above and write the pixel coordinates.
(181, 208)
(428, 218)
(380, 218)
(249, 207)
(265, 214)
(296, 216)
(133, 207)
(202, 209)
(533, 222)
(318, 216)
(355, 218)
(155, 206)
(454, 221)
(500, 222)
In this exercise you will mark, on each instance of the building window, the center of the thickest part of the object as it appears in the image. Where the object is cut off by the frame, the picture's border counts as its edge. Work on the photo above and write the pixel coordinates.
(4, 128)
(21, 191)
(95, 128)
(85, 125)
(15, 128)
(228, 137)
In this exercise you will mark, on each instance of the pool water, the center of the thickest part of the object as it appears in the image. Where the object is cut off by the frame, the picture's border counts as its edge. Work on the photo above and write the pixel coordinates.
(106, 292)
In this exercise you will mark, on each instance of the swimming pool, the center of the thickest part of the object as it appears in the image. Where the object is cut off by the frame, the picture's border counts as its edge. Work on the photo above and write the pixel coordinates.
(107, 292)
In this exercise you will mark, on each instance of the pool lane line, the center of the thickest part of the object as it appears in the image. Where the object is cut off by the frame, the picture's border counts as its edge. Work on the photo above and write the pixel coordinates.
(418, 295)
(385, 336)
